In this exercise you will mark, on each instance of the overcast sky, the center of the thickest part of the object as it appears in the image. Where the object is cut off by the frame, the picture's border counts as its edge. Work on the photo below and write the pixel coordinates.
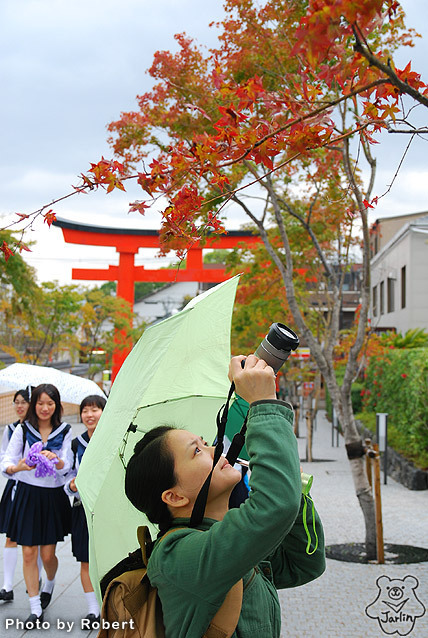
(68, 68)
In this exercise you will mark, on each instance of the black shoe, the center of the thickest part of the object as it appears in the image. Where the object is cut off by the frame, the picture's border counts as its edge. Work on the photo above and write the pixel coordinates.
(33, 622)
(93, 620)
(45, 599)
(7, 596)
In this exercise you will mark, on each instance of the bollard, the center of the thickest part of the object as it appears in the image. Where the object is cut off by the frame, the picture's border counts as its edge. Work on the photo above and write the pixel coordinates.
(369, 448)
(382, 439)
(378, 503)
(309, 436)
(296, 420)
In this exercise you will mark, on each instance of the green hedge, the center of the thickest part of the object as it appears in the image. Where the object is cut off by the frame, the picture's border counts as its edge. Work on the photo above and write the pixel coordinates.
(397, 383)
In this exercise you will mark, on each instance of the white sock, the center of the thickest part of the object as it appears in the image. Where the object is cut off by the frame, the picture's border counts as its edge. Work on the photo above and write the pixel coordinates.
(10, 556)
(35, 605)
(92, 602)
(48, 586)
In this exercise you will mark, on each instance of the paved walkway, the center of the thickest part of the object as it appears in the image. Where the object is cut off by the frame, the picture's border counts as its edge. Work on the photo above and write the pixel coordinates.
(331, 607)
(334, 605)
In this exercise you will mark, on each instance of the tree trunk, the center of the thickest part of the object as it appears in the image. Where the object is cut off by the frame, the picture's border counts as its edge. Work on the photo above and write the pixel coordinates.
(365, 499)
(356, 456)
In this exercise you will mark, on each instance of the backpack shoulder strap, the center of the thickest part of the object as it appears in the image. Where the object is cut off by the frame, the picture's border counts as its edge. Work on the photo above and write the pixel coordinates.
(24, 436)
(226, 619)
(74, 445)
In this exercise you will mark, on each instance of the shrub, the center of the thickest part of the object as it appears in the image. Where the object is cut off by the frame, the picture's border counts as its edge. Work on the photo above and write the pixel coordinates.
(397, 383)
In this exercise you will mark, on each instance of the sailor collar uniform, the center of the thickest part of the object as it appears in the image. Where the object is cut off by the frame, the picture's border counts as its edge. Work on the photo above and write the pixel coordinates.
(40, 512)
(24, 436)
(79, 527)
(10, 487)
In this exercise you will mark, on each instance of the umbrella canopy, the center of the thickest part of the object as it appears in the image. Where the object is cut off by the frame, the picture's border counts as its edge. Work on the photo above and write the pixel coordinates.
(72, 389)
(176, 374)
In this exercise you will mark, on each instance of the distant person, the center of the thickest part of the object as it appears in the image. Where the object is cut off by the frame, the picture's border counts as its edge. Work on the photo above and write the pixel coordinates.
(91, 410)
(40, 512)
(21, 402)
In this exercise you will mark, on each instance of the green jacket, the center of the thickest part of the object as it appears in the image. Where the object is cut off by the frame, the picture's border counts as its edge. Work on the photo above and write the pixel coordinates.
(193, 572)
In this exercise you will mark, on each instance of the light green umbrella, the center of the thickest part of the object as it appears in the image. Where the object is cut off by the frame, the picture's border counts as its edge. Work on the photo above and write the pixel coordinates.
(175, 374)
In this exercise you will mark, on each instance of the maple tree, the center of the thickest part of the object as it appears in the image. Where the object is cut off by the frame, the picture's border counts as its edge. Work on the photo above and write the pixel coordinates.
(276, 122)
(52, 322)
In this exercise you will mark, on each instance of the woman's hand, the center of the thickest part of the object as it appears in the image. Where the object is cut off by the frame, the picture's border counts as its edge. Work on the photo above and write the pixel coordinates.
(51, 456)
(254, 382)
(72, 485)
(21, 465)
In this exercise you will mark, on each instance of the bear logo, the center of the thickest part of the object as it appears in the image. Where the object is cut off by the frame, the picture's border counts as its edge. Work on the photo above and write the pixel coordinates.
(396, 607)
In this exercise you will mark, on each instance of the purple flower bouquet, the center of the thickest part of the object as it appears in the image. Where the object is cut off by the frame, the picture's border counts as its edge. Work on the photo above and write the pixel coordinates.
(44, 466)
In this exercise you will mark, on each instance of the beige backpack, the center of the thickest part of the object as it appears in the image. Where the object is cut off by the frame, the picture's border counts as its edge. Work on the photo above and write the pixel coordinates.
(132, 609)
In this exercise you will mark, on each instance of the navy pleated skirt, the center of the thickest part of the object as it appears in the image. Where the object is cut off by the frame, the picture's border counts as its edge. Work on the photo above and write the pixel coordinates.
(6, 505)
(39, 515)
(79, 533)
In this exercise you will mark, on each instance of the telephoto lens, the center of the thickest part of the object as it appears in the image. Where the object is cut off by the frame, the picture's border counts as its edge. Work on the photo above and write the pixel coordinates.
(276, 347)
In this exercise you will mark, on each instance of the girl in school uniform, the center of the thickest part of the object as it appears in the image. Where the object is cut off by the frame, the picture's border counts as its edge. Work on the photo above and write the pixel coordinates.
(40, 512)
(91, 409)
(21, 402)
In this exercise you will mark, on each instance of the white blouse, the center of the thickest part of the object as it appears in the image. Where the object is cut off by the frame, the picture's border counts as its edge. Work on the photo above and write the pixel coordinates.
(14, 453)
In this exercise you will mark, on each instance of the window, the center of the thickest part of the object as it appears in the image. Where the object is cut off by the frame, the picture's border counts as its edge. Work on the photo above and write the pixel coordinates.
(403, 287)
(374, 301)
(382, 297)
(390, 293)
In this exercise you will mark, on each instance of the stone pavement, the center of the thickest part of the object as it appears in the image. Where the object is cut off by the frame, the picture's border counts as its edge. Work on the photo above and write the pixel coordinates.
(332, 606)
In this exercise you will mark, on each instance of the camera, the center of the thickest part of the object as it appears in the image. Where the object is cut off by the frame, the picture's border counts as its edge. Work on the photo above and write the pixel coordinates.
(276, 347)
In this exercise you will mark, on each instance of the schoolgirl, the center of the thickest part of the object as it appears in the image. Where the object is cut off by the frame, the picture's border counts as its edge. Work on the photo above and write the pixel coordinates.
(91, 409)
(40, 512)
(264, 541)
(21, 402)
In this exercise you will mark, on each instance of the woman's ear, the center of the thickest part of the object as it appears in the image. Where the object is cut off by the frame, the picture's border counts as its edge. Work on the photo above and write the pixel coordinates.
(173, 498)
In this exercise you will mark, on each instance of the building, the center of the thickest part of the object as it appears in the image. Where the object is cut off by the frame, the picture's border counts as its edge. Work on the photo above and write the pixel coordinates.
(383, 230)
(165, 301)
(399, 273)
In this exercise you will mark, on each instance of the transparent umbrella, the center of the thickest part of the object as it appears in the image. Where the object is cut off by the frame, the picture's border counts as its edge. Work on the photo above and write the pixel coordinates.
(72, 389)
(176, 373)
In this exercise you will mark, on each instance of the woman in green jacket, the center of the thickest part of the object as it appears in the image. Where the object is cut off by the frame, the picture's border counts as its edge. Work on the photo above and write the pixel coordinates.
(264, 541)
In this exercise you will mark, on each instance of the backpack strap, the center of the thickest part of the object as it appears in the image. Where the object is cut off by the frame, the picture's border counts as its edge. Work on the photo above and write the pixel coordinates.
(24, 436)
(224, 623)
(74, 445)
(226, 619)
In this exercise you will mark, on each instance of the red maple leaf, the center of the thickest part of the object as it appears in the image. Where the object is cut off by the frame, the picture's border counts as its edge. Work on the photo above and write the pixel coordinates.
(49, 217)
(7, 252)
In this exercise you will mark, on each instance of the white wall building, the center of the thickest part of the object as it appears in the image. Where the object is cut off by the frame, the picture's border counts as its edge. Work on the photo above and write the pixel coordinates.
(166, 301)
(399, 279)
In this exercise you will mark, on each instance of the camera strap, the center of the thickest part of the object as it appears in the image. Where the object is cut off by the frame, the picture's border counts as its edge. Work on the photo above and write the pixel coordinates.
(201, 500)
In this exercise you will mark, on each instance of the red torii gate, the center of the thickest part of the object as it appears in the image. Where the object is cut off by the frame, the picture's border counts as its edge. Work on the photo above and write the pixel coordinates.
(127, 242)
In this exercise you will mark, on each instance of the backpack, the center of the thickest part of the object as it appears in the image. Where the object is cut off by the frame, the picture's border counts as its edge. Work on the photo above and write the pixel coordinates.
(132, 609)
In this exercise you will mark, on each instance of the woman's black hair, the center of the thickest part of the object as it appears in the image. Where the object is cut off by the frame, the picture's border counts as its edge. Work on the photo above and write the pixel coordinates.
(93, 399)
(149, 473)
(52, 392)
(22, 393)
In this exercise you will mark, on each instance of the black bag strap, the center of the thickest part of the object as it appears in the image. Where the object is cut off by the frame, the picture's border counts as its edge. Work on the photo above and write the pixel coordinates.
(74, 445)
(201, 500)
(24, 436)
